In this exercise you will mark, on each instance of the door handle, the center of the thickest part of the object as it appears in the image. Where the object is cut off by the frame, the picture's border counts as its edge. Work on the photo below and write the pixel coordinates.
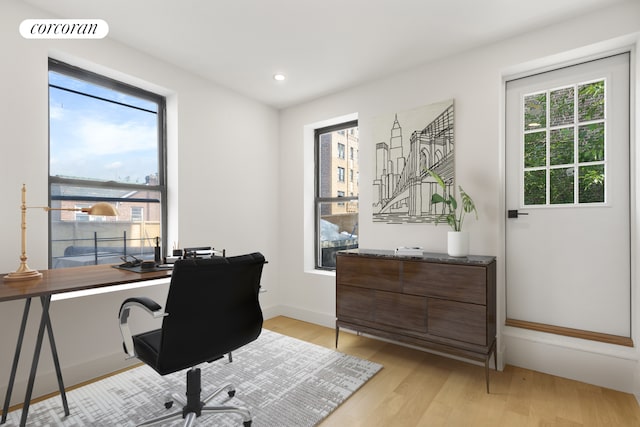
(513, 213)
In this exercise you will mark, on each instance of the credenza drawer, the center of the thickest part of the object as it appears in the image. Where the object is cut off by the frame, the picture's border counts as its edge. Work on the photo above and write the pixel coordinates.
(369, 273)
(354, 303)
(383, 308)
(454, 282)
(401, 311)
(457, 320)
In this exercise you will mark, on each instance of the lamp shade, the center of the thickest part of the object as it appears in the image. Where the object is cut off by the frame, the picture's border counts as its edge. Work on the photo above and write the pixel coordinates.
(101, 208)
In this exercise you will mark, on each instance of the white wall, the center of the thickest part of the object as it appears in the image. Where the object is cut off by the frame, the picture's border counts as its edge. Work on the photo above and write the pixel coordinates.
(475, 80)
(241, 178)
(223, 164)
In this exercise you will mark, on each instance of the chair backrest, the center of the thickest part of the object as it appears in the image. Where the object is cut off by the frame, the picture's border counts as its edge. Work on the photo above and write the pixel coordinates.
(212, 308)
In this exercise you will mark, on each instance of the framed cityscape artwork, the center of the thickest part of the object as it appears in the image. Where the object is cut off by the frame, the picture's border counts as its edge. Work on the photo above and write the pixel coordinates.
(408, 145)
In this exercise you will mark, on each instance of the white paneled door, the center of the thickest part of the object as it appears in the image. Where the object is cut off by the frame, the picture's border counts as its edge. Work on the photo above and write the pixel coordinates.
(568, 201)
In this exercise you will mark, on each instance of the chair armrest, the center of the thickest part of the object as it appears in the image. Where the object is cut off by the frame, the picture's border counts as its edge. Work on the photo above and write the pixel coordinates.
(148, 305)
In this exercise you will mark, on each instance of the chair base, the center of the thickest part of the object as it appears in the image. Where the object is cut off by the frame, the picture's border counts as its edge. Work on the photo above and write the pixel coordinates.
(193, 407)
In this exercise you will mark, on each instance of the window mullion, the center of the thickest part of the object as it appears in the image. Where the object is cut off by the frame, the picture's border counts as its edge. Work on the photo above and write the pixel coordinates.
(548, 145)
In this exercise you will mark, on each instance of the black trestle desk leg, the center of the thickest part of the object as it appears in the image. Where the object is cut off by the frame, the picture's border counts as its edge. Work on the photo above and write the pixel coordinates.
(44, 322)
(56, 360)
(16, 358)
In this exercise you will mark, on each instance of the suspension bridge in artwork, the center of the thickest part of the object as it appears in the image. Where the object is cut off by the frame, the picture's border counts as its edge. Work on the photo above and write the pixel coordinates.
(403, 184)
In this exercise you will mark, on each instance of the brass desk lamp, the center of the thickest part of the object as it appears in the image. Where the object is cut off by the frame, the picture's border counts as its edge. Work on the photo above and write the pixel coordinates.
(24, 272)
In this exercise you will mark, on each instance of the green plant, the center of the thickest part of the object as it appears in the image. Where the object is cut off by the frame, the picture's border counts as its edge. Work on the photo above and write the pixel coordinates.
(453, 217)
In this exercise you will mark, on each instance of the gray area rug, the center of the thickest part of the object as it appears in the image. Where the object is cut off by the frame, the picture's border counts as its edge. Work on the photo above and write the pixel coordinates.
(281, 380)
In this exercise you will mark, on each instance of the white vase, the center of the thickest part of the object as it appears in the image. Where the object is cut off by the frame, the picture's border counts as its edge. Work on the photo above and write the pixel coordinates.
(458, 243)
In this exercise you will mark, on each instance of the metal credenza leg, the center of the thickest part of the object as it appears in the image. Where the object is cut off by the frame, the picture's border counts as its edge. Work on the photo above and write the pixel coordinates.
(492, 350)
(486, 370)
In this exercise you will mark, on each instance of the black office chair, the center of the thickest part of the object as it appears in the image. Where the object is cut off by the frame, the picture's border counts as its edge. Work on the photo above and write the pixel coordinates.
(212, 309)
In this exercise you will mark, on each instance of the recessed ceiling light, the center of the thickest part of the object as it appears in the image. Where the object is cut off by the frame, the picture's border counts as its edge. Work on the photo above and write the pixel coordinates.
(279, 77)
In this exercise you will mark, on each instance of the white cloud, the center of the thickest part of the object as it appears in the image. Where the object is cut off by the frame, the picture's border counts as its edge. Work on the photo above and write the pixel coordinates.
(114, 165)
(56, 113)
(101, 138)
(93, 144)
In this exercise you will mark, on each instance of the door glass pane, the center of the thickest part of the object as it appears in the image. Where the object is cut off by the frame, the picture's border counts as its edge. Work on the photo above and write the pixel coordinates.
(591, 142)
(571, 140)
(591, 184)
(535, 187)
(561, 186)
(561, 110)
(535, 149)
(535, 111)
(591, 101)
(561, 146)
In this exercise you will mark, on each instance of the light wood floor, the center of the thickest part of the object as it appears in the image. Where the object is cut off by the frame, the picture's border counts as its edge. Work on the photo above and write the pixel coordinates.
(420, 389)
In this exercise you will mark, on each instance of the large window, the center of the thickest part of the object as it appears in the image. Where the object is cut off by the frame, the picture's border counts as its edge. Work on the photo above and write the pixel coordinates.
(106, 144)
(336, 213)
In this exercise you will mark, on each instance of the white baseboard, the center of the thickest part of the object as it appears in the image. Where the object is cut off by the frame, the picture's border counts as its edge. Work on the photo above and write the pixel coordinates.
(323, 319)
(601, 364)
(605, 365)
(46, 381)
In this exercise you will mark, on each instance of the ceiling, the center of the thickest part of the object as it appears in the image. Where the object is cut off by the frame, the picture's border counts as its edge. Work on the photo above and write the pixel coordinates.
(322, 46)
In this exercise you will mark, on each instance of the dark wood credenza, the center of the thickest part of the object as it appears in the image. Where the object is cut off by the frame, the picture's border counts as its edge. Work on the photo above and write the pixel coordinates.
(436, 302)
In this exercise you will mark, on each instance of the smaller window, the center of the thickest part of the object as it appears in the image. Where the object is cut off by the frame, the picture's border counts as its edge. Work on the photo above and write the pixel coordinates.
(336, 215)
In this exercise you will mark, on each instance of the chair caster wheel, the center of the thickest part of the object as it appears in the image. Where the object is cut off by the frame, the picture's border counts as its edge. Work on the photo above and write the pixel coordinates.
(247, 423)
(169, 404)
(231, 394)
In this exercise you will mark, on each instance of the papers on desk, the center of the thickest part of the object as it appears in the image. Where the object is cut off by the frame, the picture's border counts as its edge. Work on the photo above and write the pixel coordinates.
(409, 251)
(202, 252)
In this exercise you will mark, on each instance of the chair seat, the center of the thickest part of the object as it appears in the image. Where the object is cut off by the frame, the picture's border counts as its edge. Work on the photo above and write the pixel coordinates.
(147, 346)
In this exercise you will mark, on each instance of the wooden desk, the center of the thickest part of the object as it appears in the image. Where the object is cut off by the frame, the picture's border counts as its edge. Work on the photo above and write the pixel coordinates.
(56, 282)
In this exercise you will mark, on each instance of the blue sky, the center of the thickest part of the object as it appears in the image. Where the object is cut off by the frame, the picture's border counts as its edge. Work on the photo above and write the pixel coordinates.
(95, 139)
